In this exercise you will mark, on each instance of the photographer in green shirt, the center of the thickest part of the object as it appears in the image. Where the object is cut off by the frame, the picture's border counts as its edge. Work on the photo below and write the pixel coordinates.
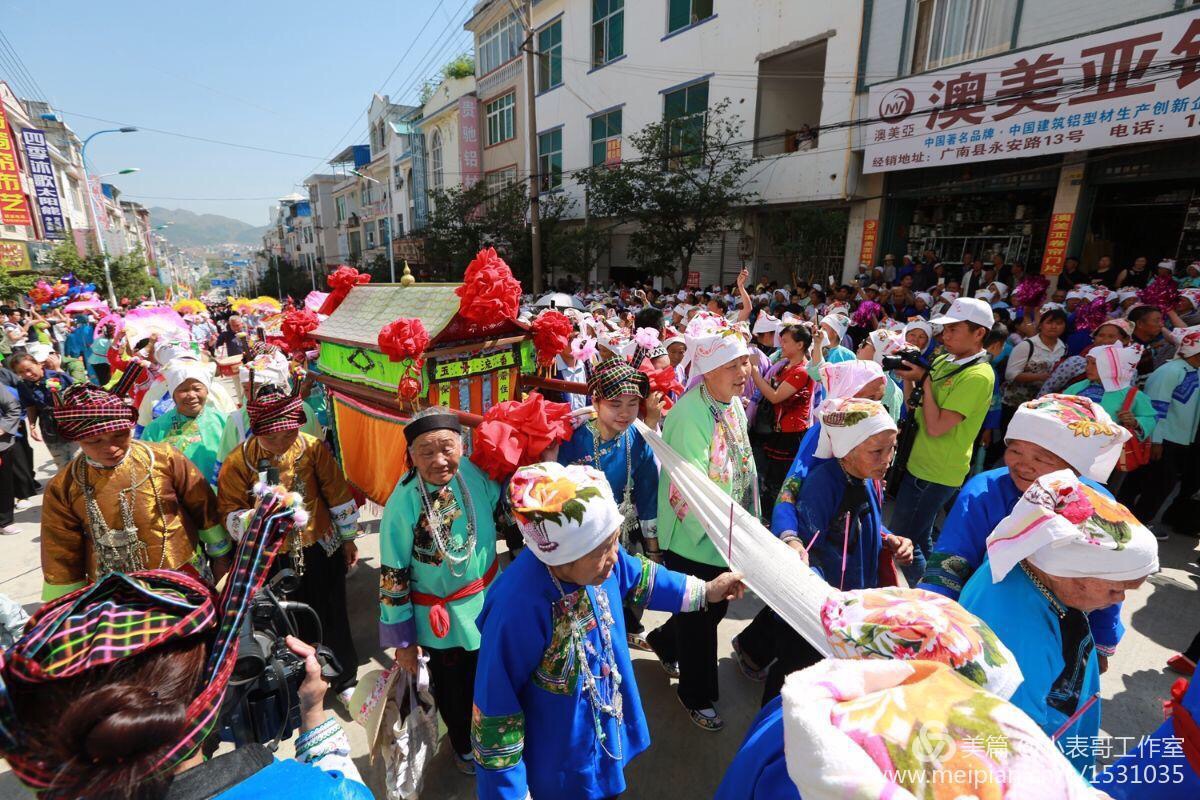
(954, 396)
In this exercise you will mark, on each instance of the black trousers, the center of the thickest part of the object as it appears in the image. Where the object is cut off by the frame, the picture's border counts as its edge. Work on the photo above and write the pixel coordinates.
(1147, 488)
(7, 491)
(323, 587)
(691, 639)
(25, 485)
(768, 640)
(453, 674)
(103, 373)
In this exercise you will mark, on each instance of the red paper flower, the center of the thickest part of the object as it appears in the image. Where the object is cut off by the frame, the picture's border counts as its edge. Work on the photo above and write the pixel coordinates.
(409, 388)
(297, 324)
(489, 292)
(404, 339)
(341, 281)
(662, 380)
(515, 434)
(551, 333)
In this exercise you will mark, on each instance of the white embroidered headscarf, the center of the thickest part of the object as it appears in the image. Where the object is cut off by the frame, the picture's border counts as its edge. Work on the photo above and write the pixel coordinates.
(1074, 428)
(564, 513)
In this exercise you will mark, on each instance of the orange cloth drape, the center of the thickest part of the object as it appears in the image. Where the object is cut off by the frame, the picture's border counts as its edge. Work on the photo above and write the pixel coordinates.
(372, 447)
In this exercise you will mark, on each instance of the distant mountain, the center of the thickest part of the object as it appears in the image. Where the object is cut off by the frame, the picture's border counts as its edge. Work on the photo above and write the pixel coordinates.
(189, 229)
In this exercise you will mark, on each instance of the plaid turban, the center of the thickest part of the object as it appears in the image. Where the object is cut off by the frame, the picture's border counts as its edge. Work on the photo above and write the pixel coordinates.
(616, 377)
(272, 410)
(124, 616)
(84, 410)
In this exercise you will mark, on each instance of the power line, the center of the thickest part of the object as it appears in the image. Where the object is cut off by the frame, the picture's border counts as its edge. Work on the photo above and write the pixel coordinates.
(41, 95)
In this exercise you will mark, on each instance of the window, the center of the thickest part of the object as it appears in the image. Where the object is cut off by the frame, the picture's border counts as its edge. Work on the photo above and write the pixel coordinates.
(949, 31)
(341, 209)
(370, 228)
(687, 12)
(608, 31)
(397, 180)
(435, 160)
(550, 160)
(499, 44)
(501, 119)
(399, 225)
(606, 138)
(549, 45)
(685, 111)
(500, 179)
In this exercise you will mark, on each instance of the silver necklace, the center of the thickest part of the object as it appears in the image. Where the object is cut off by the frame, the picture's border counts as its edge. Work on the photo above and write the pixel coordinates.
(628, 513)
(121, 549)
(741, 458)
(455, 556)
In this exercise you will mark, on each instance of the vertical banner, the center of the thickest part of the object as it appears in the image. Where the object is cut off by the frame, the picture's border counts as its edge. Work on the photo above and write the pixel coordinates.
(470, 150)
(45, 184)
(102, 219)
(1057, 240)
(14, 208)
(870, 239)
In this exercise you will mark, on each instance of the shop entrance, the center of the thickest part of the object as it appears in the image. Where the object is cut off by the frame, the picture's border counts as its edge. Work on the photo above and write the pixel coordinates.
(1139, 219)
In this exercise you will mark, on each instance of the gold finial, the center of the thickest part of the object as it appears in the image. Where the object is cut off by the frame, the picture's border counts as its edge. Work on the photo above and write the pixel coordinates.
(407, 279)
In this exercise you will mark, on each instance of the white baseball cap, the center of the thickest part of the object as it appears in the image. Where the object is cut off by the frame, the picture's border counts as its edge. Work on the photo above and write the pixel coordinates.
(967, 309)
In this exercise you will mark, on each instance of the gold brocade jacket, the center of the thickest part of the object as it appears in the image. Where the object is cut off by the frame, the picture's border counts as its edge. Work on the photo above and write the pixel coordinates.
(189, 514)
(308, 467)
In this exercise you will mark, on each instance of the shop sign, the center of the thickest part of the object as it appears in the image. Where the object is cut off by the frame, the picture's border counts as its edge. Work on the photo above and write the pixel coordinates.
(1057, 240)
(41, 255)
(1136, 84)
(470, 144)
(411, 250)
(693, 280)
(870, 238)
(45, 184)
(14, 208)
(14, 256)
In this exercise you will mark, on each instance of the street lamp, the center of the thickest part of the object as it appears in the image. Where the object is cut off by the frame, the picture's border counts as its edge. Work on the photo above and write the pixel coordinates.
(112, 297)
(126, 171)
(391, 215)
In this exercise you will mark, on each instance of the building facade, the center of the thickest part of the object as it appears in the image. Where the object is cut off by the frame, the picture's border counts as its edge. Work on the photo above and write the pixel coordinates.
(500, 88)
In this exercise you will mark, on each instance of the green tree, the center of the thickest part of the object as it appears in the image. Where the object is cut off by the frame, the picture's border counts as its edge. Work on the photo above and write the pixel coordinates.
(683, 191)
(811, 240)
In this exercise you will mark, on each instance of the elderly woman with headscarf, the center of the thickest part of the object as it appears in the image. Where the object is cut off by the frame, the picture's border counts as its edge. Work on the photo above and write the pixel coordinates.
(707, 426)
(194, 427)
(831, 338)
(160, 504)
(1111, 369)
(557, 711)
(1064, 551)
(1074, 368)
(1049, 434)
(839, 514)
(321, 551)
(437, 544)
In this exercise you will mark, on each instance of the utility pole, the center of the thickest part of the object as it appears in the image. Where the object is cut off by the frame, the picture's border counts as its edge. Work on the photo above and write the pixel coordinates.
(535, 224)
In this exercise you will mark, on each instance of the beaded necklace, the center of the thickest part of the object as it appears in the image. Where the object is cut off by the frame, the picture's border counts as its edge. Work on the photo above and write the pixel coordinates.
(741, 457)
(603, 692)
(628, 513)
(454, 556)
(1055, 603)
(120, 550)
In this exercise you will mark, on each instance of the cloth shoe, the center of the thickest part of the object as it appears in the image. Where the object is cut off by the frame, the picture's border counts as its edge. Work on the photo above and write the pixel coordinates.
(465, 764)
(1181, 664)
(705, 718)
(9, 530)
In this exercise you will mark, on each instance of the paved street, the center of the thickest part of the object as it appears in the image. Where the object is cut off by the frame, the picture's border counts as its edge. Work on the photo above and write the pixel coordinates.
(1162, 617)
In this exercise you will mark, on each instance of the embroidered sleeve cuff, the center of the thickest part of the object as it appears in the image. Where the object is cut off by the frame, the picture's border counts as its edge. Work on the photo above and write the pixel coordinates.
(649, 528)
(693, 594)
(345, 518)
(53, 591)
(236, 521)
(645, 585)
(398, 634)
(216, 541)
(328, 738)
(788, 536)
(1108, 651)
(497, 742)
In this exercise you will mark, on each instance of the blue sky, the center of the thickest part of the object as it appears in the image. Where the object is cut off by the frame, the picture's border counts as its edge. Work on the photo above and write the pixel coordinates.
(285, 76)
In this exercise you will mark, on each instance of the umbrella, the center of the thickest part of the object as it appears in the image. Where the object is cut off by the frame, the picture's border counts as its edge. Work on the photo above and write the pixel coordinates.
(560, 300)
(81, 306)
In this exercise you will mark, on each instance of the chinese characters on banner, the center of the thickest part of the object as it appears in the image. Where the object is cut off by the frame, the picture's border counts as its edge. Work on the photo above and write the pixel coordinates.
(1057, 240)
(14, 208)
(870, 238)
(1139, 83)
(98, 199)
(45, 185)
(470, 147)
(14, 256)
(693, 280)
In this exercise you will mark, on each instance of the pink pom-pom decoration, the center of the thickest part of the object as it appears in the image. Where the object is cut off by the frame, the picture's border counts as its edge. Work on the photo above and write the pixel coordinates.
(1031, 292)
(867, 314)
(583, 349)
(1090, 316)
(1162, 293)
(647, 338)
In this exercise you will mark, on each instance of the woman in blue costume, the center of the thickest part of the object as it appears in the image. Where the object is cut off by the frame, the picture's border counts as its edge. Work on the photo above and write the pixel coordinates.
(1050, 433)
(1064, 551)
(557, 712)
(840, 528)
(86, 713)
(611, 445)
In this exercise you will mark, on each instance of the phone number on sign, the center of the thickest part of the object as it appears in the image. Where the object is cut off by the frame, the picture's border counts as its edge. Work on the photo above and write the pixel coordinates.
(1136, 774)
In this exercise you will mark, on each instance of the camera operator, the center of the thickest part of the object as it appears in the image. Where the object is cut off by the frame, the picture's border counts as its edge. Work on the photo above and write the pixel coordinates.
(84, 713)
(951, 398)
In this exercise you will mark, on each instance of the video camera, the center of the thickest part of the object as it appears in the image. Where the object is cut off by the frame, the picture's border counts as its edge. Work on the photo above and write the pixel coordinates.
(262, 703)
(909, 355)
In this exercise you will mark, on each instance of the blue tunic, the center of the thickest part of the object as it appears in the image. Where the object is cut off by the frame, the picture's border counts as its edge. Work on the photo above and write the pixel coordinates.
(759, 770)
(822, 519)
(533, 729)
(296, 781)
(1025, 621)
(784, 517)
(982, 503)
(643, 468)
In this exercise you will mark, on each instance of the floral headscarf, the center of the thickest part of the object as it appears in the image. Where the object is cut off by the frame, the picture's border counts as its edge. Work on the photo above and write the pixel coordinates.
(563, 512)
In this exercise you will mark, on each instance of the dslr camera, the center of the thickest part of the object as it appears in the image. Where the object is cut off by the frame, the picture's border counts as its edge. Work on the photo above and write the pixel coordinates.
(262, 702)
(909, 355)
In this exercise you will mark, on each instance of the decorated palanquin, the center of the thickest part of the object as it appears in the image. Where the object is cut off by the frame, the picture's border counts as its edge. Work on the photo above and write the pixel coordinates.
(466, 366)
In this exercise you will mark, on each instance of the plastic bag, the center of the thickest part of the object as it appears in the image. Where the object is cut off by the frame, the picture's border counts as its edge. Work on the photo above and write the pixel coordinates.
(411, 717)
(12, 621)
